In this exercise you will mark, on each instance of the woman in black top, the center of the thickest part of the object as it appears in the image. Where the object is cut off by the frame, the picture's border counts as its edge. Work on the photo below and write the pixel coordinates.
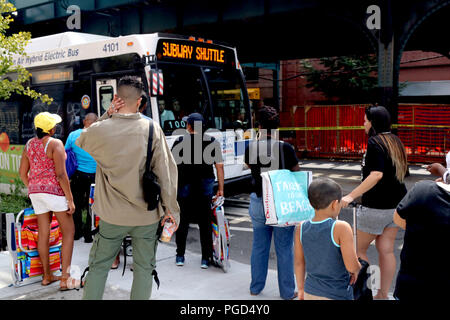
(384, 168)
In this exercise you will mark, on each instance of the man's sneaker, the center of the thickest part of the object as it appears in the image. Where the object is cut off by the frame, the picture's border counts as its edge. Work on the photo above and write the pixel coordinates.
(205, 264)
(179, 261)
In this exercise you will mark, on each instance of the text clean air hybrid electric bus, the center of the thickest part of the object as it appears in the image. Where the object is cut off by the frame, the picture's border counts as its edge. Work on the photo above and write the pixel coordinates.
(181, 75)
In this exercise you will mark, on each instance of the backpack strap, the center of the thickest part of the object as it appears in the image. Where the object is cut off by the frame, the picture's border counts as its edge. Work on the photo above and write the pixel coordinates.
(149, 146)
(82, 277)
(155, 276)
(124, 255)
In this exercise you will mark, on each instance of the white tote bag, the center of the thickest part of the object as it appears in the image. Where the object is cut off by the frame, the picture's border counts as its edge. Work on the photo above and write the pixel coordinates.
(285, 197)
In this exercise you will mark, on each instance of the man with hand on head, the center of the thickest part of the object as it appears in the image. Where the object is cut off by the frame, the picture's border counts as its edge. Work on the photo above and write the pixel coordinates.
(116, 104)
(119, 145)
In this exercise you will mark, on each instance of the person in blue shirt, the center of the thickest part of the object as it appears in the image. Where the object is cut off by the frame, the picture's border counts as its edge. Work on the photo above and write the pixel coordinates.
(81, 181)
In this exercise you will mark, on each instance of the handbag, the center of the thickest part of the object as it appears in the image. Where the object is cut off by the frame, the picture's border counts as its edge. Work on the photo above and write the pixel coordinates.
(285, 197)
(152, 189)
(71, 163)
(285, 194)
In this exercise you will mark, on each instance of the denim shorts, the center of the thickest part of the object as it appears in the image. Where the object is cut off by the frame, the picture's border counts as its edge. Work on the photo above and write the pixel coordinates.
(374, 221)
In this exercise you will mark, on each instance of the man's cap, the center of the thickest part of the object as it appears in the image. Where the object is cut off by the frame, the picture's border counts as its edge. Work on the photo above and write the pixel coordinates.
(46, 121)
(194, 117)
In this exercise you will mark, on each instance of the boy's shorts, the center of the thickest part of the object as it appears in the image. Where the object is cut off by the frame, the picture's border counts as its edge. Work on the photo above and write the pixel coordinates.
(374, 221)
(45, 202)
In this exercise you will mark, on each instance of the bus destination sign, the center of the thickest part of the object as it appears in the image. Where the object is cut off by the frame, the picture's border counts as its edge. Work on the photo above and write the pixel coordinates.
(193, 52)
(52, 75)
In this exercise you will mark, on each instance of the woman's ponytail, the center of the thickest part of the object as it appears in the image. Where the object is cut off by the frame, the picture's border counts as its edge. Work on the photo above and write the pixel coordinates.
(40, 133)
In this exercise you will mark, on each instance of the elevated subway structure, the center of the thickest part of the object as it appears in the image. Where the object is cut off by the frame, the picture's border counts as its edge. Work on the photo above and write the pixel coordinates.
(266, 31)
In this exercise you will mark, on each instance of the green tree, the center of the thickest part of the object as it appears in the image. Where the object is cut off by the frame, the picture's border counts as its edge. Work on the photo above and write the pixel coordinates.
(10, 45)
(346, 79)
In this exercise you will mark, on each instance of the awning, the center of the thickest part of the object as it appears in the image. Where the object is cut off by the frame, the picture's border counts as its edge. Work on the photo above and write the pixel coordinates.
(425, 88)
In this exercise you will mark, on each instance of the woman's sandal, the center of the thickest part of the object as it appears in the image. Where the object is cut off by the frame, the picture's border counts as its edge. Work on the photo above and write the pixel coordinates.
(69, 283)
(46, 281)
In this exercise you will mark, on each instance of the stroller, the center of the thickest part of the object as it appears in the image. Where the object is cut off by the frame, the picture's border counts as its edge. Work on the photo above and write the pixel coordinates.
(220, 235)
(26, 266)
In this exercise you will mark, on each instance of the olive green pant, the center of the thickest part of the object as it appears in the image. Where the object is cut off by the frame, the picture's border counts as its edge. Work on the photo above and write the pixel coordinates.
(106, 246)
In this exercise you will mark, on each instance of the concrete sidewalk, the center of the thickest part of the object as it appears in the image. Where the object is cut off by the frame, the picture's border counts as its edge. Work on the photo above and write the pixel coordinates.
(189, 282)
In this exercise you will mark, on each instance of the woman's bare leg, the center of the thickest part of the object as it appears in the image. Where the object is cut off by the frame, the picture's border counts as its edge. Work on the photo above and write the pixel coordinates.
(44, 221)
(385, 247)
(68, 230)
(364, 240)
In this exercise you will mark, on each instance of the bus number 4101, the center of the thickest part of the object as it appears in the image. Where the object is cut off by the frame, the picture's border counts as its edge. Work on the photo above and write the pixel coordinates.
(111, 47)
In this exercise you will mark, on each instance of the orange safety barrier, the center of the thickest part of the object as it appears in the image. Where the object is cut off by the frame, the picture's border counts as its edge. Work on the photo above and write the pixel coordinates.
(326, 131)
(337, 131)
(425, 131)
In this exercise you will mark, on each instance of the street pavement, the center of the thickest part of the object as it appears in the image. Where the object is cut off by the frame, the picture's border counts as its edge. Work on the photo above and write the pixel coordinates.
(190, 282)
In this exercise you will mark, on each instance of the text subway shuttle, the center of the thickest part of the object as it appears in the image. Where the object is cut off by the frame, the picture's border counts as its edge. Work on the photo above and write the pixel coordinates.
(185, 51)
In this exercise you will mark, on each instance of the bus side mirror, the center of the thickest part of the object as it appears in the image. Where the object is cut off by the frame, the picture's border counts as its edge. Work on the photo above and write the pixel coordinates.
(156, 85)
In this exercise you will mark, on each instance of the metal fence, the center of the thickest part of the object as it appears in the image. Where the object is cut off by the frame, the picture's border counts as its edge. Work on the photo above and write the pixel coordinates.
(425, 131)
(337, 131)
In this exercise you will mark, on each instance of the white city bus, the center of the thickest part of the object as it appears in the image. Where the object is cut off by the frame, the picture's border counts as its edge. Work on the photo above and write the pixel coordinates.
(181, 75)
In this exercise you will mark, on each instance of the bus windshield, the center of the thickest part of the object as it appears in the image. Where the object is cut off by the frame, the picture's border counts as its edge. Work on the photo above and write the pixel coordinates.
(227, 95)
(185, 91)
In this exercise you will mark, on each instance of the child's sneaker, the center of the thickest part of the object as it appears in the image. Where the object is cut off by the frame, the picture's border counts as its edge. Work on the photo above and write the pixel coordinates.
(205, 264)
(179, 261)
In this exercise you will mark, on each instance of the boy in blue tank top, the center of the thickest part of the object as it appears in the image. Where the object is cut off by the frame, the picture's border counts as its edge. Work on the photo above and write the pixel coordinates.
(324, 248)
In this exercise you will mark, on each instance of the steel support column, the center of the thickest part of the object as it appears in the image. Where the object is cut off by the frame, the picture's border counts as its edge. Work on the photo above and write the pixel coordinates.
(388, 90)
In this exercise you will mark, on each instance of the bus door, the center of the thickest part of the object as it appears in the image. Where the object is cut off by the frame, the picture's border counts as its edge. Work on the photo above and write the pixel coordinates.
(184, 93)
(106, 89)
(231, 112)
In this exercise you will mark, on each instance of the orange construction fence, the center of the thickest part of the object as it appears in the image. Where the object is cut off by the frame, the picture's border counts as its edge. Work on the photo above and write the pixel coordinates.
(425, 131)
(337, 131)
